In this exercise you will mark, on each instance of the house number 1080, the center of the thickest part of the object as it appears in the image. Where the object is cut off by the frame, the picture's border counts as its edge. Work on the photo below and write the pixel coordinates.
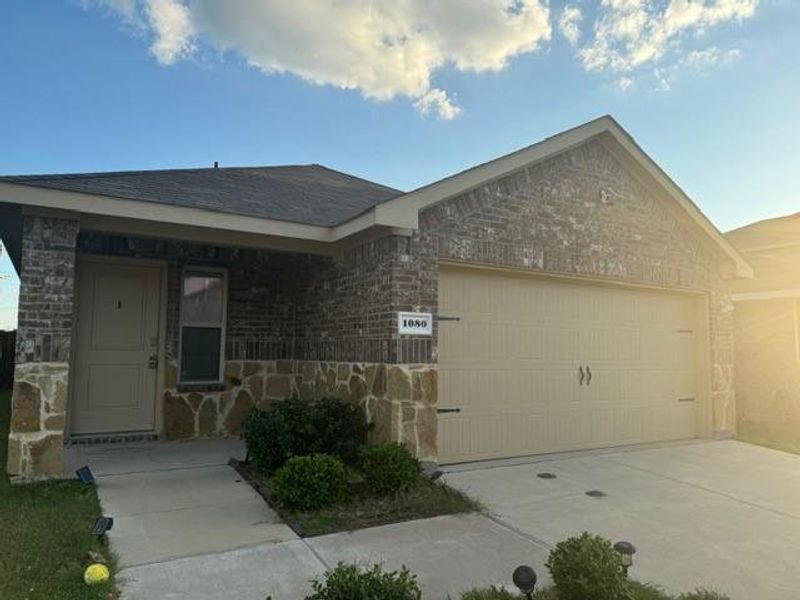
(409, 323)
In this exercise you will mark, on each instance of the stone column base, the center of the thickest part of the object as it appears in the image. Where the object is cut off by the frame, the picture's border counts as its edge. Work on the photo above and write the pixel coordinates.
(38, 419)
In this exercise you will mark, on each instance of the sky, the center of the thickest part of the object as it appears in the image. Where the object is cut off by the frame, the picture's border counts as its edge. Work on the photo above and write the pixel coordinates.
(404, 92)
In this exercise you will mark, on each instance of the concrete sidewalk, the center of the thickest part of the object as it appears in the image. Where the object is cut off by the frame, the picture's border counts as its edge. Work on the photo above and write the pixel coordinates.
(187, 527)
(172, 500)
(448, 554)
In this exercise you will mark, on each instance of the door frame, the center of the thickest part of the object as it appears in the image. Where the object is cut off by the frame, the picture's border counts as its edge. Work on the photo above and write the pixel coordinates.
(704, 426)
(83, 261)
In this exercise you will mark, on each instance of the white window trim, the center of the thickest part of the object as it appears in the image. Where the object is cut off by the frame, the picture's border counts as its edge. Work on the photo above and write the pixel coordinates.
(193, 270)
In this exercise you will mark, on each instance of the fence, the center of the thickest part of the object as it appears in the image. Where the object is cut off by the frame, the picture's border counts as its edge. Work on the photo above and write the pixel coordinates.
(7, 342)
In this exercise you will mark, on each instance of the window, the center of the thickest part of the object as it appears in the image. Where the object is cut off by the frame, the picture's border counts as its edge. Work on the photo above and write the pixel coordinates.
(203, 307)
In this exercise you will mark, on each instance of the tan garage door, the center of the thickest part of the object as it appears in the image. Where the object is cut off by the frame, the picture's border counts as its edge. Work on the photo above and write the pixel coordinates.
(510, 366)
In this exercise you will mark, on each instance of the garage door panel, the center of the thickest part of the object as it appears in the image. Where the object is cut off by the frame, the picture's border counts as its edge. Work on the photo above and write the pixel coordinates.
(510, 364)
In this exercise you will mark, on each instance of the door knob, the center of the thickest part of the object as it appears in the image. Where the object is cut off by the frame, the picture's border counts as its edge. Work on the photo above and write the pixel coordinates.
(152, 362)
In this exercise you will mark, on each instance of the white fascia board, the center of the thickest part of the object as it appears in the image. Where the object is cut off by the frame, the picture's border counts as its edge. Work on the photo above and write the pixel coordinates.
(161, 213)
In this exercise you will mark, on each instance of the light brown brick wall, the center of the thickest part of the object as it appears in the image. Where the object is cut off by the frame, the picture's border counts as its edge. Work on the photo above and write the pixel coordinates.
(768, 372)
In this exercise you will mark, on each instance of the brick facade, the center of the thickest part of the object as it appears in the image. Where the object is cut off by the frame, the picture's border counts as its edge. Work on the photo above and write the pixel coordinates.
(314, 325)
(768, 372)
(41, 374)
(583, 213)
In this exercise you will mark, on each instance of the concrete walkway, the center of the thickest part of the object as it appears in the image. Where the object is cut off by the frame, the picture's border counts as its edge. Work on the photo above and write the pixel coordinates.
(172, 500)
(448, 555)
(186, 527)
(715, 514)
(720, 514)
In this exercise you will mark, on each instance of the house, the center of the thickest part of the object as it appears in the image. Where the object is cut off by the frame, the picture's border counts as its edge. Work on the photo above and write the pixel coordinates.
(566, 296)
(767, 329)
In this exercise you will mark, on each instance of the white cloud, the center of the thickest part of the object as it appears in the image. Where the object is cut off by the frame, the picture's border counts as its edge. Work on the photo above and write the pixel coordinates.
(172, 26)
(711, 57)
(394, 48)
(383, 48)
(625, 83)
(569, 24)
(436, 101)
(629, 34)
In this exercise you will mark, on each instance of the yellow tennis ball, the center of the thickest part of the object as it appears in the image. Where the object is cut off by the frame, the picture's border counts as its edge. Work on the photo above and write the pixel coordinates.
(96, 573)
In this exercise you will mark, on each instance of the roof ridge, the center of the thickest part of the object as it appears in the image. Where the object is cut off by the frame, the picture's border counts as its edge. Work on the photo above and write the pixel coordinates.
(794, 215)
(104, 174)
(357, 178)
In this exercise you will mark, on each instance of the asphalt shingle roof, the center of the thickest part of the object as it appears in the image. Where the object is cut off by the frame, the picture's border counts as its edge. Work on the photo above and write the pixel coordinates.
(310, 194)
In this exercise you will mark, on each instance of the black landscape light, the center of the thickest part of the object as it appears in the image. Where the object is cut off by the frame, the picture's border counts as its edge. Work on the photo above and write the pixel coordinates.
(524, 578)
(102, 526)
(626, 550)
(85, 475)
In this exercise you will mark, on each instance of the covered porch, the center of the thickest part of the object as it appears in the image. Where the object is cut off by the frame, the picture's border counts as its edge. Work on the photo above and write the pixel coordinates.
(131, 332)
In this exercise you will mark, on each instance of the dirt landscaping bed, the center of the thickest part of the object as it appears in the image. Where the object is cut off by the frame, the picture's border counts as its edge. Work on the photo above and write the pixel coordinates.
(365, 509)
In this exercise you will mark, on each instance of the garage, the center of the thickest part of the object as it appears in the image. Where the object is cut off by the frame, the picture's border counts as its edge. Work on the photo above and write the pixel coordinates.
(531, 365)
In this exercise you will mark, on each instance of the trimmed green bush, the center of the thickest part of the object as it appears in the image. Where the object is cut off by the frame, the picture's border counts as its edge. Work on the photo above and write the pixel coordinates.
(350, 582)
(586, 567)
(311, 482)
(295, 427)
(388, 468)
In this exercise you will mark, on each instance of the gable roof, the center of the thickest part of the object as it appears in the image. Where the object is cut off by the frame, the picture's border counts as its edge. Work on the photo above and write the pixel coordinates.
(312, 203)
(778, 232)
(404, 210)
(310, 194)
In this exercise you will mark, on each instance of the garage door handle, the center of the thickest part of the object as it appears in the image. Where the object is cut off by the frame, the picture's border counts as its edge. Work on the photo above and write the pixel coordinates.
(448, 410)
(580, 375)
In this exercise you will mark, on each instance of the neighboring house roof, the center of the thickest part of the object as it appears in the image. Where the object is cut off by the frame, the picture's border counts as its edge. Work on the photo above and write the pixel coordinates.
(313, 203)
(310, 194)
(772, 247)
(767, 234)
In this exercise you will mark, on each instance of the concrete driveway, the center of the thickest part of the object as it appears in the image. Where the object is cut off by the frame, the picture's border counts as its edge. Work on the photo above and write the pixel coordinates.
(715, 514)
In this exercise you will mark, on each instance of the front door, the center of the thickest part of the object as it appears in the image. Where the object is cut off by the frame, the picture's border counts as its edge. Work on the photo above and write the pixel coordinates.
(116, 347)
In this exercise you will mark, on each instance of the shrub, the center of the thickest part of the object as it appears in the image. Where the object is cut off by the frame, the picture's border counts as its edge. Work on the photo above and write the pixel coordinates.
(311, 482)
(294, 427)
(388, 468)
(349, 582)
(646, 591)
(586, 567)
(703, 594)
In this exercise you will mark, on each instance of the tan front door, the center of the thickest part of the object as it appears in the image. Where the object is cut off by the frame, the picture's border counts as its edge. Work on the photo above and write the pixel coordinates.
(117, 334)
(514, 369)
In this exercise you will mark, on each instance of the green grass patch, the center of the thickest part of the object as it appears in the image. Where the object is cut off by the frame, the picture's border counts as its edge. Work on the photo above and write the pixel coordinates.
(45, 542)
(364, 509)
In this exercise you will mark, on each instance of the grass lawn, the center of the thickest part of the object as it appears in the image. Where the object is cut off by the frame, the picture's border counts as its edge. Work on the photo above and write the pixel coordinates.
(423, 500)
(44, 535)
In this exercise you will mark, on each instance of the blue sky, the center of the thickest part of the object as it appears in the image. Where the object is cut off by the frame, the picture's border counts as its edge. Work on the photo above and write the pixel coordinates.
(708, 88)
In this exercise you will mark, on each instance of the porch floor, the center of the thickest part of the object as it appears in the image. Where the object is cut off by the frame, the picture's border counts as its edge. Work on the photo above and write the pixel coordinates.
(176, 499)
